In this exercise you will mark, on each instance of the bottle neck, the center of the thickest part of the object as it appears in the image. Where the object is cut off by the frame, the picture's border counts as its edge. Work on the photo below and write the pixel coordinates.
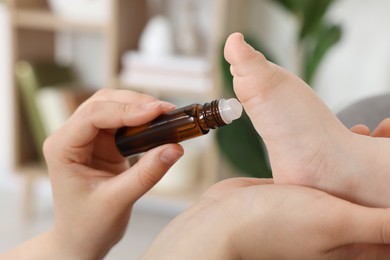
(211, 116)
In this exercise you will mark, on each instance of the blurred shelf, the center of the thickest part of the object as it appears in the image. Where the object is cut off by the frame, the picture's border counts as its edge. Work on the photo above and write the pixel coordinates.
(167, 75)
(33, 169)
(161, 90)
(40, 19)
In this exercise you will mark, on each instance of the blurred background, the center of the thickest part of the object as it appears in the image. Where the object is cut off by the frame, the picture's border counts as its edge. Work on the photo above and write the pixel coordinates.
(56, 53)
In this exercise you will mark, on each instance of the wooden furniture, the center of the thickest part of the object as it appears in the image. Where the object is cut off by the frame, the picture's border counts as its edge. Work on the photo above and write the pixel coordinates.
(34, 28)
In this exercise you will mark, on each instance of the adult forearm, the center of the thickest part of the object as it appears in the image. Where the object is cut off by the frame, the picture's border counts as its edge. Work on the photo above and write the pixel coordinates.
(46, 246)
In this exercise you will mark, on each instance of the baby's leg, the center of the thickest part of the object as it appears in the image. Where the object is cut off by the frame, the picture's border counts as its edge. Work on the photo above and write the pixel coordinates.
(307, 144)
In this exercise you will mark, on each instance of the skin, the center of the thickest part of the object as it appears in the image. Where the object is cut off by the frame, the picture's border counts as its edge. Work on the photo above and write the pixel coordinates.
(94, 187)
(252, 219)
(307, 144)
(255, 219)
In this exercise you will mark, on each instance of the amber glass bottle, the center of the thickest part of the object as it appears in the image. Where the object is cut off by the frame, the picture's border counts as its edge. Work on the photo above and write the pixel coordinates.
(179, 125)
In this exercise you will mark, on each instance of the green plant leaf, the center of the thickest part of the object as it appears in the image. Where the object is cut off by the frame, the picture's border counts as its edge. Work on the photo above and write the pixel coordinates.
(329, 36)
(313, 14)
(293, 6)
(240, 143)
(244, 149)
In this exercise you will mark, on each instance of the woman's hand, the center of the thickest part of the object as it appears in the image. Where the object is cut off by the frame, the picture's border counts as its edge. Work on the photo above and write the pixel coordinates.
(254, 219)
(94, 189)
(382, 130)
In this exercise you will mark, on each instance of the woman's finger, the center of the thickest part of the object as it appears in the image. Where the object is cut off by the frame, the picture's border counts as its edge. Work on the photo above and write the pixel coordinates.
(360, 129)
(383, 129)
(362, 225)
(85, 124)
(136, 181)
(120, 96)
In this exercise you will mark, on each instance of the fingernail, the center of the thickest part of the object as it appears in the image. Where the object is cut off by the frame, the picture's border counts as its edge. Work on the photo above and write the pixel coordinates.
(164, 105)
(242, 37)
(170, 156)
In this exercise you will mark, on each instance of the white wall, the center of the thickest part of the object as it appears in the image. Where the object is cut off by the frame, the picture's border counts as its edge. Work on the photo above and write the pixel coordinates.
(79, 50)
(357, 67)
(275, 29)
(6, 98)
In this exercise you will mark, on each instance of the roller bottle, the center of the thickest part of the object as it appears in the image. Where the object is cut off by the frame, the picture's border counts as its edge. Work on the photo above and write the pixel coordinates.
(176, 126)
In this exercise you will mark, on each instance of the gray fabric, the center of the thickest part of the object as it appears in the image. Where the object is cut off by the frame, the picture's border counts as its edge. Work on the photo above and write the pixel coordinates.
(369, 111)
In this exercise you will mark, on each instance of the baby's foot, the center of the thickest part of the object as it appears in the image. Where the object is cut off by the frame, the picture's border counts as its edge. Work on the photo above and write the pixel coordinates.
(307, 144)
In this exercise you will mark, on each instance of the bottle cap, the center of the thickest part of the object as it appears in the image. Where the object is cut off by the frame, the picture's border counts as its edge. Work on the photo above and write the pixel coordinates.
(230, 109)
